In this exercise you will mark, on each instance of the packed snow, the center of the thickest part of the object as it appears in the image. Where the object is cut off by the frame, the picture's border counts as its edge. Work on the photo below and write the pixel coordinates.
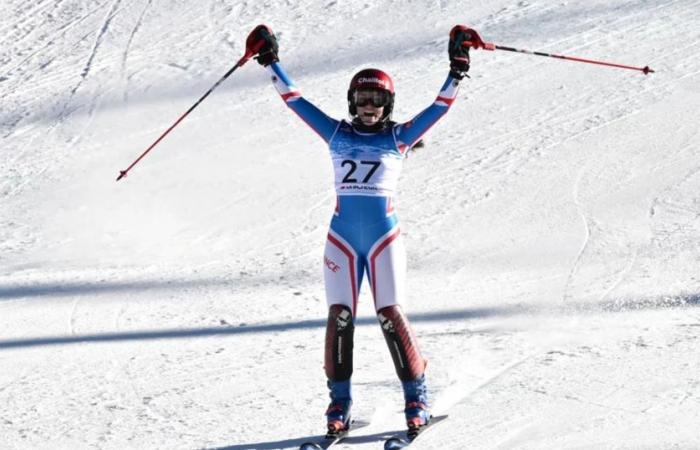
(552, 224)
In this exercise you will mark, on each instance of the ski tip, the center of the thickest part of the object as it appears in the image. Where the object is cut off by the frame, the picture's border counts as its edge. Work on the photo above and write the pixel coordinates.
(310, 446)
(395, 444)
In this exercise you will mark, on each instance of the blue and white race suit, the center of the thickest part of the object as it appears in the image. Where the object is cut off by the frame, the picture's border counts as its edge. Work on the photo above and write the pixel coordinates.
(364, 233)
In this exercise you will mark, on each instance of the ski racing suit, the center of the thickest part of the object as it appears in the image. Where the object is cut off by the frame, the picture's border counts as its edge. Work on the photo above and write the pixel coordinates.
(364, 235)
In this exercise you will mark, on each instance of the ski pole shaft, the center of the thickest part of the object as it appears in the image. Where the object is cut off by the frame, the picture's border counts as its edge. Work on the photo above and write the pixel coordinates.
(243, 60)
(490, 46)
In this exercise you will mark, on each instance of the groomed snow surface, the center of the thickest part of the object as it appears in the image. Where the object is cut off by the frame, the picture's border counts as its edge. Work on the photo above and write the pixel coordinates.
(552, 223)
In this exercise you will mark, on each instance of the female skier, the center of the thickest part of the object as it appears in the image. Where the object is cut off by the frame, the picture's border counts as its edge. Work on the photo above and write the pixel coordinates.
(367, 154)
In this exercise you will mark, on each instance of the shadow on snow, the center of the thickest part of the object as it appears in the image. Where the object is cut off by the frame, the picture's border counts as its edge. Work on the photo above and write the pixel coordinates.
(60, 289)
(617, 306)
(296, 442)
(439, 316)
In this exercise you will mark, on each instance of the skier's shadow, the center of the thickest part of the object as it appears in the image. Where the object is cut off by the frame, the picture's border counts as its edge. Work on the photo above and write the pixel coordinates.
(295, 443)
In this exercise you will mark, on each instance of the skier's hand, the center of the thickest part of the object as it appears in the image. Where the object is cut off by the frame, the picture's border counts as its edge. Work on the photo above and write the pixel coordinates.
(461, 38)
(263, 43)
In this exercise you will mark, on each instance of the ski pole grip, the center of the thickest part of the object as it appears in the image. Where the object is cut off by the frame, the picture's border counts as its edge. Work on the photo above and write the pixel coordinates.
(256, 40)
(250, 51)
(255, 48)
(479, 44)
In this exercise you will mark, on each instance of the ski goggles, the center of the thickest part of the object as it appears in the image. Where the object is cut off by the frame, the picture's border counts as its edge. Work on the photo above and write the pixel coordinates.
(378, 98)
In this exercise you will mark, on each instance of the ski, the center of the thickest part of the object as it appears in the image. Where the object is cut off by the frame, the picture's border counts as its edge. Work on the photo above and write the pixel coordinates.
(403, 440)
(329, 440)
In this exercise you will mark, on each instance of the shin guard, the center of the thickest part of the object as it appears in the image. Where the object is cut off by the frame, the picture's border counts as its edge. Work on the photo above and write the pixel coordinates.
(339, 342)
(408, 361)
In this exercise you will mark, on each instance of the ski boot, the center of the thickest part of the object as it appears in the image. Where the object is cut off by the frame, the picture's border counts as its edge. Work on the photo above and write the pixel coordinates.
(338, 412)
(416, 395)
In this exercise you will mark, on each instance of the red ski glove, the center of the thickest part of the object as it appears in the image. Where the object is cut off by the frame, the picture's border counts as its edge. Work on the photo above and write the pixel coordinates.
(458, 51)
(468, 37)
(263, 43)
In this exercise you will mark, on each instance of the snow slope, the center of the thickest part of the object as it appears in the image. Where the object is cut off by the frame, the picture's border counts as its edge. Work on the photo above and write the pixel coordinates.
(552, 225)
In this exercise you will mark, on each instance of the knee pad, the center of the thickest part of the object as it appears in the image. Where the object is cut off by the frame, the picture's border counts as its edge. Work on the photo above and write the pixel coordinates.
(340, 330)
(408, 361)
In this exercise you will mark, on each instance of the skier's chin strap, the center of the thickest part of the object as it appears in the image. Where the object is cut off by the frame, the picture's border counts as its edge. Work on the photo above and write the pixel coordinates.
(358, 125)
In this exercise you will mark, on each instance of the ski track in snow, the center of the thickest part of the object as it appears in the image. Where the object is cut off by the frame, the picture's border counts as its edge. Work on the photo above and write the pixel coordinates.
(127, 47)
(60, 33)
(461, 391)
(586, 236)
(93, 53)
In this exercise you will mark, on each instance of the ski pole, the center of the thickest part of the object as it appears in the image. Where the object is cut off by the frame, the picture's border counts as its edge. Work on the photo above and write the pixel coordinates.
(478, 43)
(248, 54)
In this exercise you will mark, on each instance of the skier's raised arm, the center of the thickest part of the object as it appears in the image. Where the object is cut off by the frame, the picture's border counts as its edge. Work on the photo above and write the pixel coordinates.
(262, 37)
(409, 133)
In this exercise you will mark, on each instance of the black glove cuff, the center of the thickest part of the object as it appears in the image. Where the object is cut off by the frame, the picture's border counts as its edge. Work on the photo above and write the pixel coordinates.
(266, 58)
